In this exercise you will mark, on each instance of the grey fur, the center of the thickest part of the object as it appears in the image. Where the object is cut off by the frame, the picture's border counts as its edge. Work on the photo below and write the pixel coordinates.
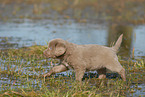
(84, 58)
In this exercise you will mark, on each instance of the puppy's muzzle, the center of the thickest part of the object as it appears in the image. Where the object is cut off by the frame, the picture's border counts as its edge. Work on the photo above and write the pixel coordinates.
(46, 54)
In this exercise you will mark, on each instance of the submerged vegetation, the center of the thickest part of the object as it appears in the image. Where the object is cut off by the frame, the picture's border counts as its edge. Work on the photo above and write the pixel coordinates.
(21, 71)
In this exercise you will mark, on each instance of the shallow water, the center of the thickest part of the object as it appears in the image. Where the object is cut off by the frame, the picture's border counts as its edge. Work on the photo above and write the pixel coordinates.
(139, 90)
(24, 32)
(18, 33)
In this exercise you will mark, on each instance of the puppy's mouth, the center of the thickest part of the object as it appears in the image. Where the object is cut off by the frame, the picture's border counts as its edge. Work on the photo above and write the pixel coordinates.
(48, 56)
(52, 56)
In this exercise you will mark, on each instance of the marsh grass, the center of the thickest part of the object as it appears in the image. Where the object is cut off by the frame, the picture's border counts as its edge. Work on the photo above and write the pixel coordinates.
(122, 11)
(21, 71)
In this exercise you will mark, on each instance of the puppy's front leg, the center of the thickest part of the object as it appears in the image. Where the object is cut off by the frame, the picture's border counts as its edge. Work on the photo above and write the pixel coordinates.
(102, 73)
(79, 74)
(56, 69)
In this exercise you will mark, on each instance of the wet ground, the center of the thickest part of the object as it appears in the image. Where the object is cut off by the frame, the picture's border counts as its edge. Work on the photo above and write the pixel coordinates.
(24, 30)
(19, 33)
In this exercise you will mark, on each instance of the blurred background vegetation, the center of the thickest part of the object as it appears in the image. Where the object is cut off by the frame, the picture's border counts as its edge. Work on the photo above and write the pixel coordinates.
(120, 11)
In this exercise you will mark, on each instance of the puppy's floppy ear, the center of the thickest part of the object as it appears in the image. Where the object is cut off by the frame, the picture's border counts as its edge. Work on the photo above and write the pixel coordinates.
(60, 49)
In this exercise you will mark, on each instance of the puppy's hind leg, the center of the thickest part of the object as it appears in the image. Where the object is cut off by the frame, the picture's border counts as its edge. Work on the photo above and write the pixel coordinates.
(116, 67)
(56, 69)
(102, 73)
(122, 73)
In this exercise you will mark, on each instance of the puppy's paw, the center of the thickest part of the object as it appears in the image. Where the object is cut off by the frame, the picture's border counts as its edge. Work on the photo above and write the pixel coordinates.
(102, 76)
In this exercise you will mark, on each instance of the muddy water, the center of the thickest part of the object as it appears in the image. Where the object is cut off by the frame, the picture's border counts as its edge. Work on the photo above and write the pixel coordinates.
(18, 33)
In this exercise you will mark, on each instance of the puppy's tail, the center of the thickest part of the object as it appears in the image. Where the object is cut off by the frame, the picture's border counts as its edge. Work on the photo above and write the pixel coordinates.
(118, 43)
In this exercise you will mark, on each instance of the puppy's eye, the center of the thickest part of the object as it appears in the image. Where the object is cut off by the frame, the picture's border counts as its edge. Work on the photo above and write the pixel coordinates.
(50, 48)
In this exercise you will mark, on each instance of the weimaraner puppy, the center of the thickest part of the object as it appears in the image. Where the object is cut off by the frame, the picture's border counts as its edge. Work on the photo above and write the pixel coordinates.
(83, 58)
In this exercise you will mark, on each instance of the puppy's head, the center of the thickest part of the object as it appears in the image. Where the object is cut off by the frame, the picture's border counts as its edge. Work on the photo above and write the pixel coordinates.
(56, 48)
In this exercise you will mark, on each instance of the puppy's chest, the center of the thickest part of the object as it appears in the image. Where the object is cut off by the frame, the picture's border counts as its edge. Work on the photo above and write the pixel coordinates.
(73, 61)
(70, 63)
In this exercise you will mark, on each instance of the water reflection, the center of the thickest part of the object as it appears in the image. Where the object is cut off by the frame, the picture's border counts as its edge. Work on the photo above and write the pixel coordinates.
(30, 32)
(115, 31)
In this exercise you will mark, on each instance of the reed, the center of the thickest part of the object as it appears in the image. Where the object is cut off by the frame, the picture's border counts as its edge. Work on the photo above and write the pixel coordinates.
(21, 76)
